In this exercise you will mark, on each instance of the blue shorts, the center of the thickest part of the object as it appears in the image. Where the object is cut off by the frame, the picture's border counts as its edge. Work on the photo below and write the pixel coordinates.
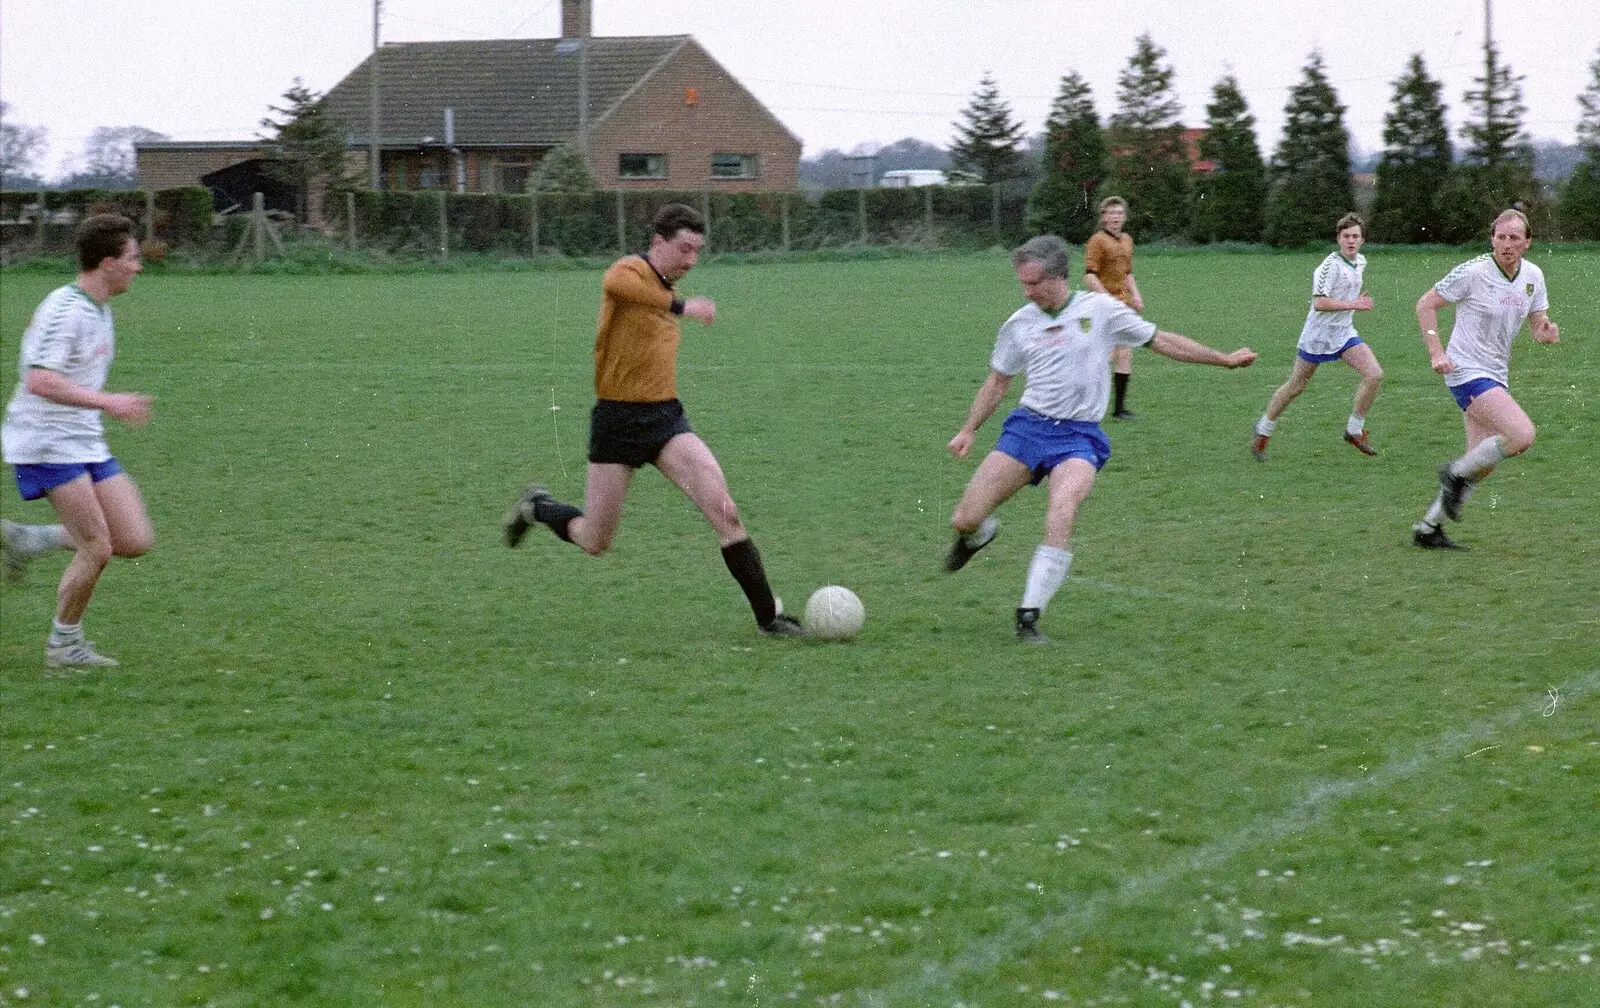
(1468, 391)
(1323, 358)
(1041, 443)
(38, 479)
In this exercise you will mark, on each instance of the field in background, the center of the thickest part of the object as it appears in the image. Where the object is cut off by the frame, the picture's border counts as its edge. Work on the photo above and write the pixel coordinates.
(360, 753)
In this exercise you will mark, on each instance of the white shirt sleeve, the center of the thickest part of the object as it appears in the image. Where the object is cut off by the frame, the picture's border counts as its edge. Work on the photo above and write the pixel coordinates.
(59, 338)
(1008, 358)
(1322, 280)
(1126, 328)
(1457, 282)
(1541, 297)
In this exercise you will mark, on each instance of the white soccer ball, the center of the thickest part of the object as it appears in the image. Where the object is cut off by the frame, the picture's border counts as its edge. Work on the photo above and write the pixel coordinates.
(834, 614)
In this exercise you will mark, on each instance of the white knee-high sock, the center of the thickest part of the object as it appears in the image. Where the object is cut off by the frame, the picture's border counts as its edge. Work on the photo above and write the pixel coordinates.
(1485, 455)
(1045, 574)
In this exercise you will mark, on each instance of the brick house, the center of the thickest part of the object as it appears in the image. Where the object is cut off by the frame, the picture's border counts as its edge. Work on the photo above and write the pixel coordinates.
(479, 116)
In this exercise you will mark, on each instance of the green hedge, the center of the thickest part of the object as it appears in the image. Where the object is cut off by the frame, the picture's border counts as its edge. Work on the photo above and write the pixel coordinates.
(578, 225)
(586, 225)
(181, 217)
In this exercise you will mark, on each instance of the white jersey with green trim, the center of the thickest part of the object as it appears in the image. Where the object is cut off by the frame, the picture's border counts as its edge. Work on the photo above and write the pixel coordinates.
(1490, 310)
(71, 335)
(1067, 356)
(1327, 332)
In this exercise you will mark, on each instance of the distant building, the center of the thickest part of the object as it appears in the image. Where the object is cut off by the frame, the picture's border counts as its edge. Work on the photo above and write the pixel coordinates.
(1191, 138)
(479, 116)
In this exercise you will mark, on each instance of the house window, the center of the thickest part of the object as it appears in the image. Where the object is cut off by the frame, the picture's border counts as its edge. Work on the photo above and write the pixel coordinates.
(642, 166)
(430, 178)
(512, 178)
(733, 166)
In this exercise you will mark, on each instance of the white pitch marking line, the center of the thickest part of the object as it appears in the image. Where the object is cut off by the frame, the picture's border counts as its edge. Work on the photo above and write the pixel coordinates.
(1078, 915)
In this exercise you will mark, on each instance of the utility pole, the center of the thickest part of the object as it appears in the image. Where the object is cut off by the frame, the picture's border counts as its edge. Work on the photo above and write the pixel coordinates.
(375, 177)
(583, 96)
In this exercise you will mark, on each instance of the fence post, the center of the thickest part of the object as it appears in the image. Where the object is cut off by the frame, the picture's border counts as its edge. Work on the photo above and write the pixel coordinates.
(861, 214)
(149, 215)
(622, 225)
(444, 228)
(927, 212)
(350, 218)
(258, 226)
(533, 224)
(784, 212)
(994, 212)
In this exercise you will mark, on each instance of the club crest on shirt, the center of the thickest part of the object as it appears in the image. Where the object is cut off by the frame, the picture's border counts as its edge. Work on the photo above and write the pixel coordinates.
(1527, 289)
(1084, 324)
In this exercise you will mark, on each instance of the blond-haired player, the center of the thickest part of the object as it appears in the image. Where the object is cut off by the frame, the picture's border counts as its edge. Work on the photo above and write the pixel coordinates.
(1492, 295)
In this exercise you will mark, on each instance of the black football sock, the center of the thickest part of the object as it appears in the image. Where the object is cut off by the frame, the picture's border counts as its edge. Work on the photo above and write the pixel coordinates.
(744, 563)
(556, 515)
(1119, 381)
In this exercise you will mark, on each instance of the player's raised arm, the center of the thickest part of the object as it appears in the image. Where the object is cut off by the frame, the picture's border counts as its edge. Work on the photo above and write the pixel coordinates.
(1182, 348)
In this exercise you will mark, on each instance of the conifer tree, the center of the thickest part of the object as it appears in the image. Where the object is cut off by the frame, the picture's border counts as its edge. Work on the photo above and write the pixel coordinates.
(310, 147)
(1074, 165)
(1229, 203)
(1149, 163)
(1416, 163)
(1498, 168)
(988, 140)
(1580, 197)
(1311, 169)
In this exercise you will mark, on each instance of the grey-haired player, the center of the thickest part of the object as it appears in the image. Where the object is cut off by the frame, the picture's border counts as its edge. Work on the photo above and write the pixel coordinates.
(1062, 340)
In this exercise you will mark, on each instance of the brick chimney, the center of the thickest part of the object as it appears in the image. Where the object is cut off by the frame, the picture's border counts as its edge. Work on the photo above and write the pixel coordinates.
(576, 19)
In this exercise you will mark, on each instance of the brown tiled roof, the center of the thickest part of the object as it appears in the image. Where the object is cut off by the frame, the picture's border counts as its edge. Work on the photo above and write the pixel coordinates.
(504, 91)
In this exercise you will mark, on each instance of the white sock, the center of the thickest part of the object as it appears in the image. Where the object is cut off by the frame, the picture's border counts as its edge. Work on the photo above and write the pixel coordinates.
(1356, 425)
(1045, 574)
(1265, 427)
(65, 633)
(1435, 515)
(1484, 456)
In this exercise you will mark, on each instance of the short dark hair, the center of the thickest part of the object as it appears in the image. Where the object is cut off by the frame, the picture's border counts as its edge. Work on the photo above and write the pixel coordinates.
(1350, 220)
(675, 217)
(101, 237)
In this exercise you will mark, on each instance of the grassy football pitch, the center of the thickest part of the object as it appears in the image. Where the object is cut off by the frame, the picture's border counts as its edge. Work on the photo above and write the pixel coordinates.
(359, 753)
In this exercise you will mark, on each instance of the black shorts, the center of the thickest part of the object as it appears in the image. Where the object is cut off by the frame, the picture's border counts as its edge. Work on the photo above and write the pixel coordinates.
(633, 433)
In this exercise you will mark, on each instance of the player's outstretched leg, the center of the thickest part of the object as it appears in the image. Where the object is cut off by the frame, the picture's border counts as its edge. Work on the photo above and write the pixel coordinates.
(20, 543)
(967, 546)
(536, 505)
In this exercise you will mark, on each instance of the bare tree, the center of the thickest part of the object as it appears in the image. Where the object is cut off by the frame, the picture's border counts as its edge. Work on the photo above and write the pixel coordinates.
(108, 160)
(20, 148)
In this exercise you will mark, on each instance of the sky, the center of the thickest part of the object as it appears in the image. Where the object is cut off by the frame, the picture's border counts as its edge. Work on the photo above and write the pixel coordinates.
(839, 74)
